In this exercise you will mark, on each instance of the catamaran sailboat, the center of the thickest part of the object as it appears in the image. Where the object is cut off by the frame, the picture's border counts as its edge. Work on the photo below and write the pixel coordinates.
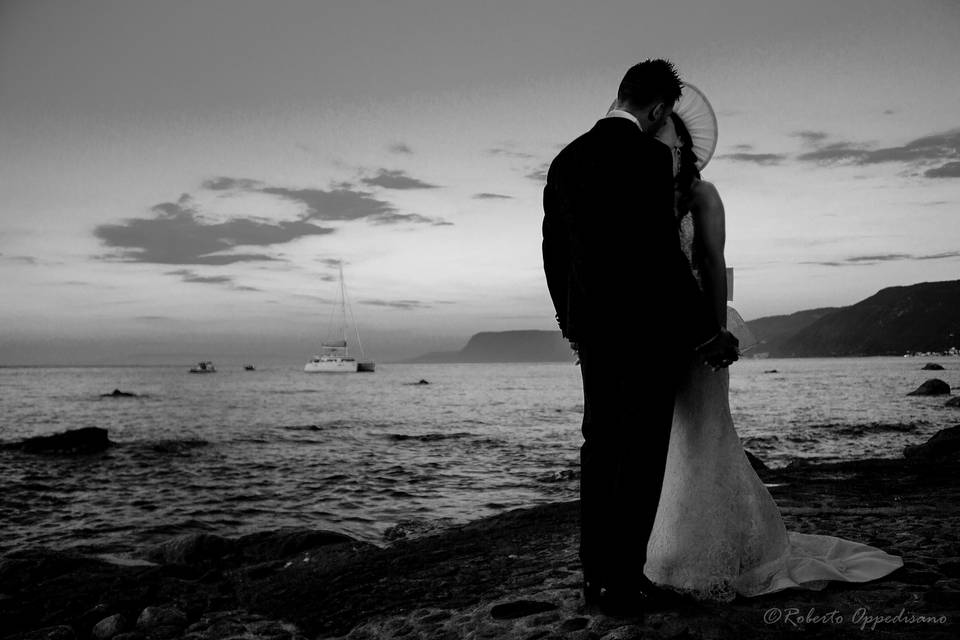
(334, 355)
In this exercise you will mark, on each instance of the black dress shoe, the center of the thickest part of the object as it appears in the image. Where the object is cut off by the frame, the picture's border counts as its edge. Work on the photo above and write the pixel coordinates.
(616, 603)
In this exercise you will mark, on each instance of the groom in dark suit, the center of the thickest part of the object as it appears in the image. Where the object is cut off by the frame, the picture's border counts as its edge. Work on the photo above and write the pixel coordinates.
(626, 299)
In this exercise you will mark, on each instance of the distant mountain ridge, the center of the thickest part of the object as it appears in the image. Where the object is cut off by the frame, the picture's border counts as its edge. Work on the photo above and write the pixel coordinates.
(894, 321)
(530, 345)
(897, 320)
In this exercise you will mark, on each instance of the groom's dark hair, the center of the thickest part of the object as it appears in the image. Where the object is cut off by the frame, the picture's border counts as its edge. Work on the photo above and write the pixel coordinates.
(649, 81)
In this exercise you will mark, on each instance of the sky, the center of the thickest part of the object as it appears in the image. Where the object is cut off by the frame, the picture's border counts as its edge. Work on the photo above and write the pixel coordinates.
(182, 180)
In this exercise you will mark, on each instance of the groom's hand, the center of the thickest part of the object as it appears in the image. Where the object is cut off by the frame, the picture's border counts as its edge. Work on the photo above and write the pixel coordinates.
(721, 351)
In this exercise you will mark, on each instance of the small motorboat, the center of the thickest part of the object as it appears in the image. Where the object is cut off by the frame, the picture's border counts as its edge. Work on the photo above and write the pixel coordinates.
(204, 366)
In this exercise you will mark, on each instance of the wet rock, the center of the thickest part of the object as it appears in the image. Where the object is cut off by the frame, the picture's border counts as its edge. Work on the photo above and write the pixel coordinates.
(190, 549)
(86, 440)
(932, 387)
(116, 393)
(628, 632)
(59, 632)
(274, 545)
(520, 609)
(942, 444)
(154, 617)
(109, 627)
(953, 402)
(932, 366)
(756, 463)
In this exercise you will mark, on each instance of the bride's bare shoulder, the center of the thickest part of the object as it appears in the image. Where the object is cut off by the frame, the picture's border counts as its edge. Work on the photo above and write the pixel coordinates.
(705, 196)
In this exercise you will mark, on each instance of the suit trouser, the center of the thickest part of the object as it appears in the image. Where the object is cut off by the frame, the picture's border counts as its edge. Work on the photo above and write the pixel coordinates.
(627, 416)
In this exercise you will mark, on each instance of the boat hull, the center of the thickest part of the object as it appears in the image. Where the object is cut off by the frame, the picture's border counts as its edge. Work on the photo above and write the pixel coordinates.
(331, 366)
(367, 367)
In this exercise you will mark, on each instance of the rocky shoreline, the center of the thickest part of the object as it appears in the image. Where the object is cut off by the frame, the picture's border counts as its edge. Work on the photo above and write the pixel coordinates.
(514, 575)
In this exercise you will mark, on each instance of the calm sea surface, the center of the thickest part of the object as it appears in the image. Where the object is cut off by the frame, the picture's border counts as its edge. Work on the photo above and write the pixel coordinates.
(237, 451)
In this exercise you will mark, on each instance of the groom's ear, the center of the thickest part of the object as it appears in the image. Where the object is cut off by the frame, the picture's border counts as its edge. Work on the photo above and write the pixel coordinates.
(657, 112)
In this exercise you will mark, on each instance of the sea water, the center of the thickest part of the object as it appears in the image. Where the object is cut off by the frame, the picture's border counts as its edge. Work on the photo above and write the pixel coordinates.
(239, 451)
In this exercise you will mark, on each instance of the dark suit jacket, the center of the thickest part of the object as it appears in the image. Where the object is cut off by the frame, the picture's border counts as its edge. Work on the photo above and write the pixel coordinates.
(611, 249)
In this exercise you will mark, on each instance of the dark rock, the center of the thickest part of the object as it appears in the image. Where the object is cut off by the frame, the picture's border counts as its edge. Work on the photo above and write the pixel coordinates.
(574, 624)
(932, 366)
(932, 387)
(154, 617)
(943, 443)
(952, 402)
(771, 371)
(191, 548)
(274, 545)
(520, 609)
(109, 627)
(756, 463)
(116, 393)
(86, 440)
(60, 632)
(423, 381)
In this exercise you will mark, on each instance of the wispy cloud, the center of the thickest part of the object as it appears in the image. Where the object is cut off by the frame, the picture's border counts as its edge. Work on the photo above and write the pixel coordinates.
(21, 259)
(400, 148)
(509, 153)
(224, 184)
(539, 173)
(854, 261)
(765, 159)
(188, 275)
(935, 148)
(491, 196)
(949, 170)
(396, 304)
(811, 137)
(178, 235)
(396, 179)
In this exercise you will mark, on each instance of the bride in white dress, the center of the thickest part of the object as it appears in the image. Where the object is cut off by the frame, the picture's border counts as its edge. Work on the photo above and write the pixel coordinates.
(718, 533)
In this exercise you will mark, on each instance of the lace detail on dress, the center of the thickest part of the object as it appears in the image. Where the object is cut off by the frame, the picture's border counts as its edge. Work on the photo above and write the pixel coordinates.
(718, 532)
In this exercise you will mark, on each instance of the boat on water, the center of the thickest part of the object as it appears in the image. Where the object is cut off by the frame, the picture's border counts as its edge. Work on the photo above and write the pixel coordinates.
(249, 367)
(334, 356)
(204, 366)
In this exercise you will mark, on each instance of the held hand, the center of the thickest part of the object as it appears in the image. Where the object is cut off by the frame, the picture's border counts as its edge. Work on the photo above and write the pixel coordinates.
(721, 351)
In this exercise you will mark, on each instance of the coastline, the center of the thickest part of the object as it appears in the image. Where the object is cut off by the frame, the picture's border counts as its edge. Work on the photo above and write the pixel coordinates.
(512, 575)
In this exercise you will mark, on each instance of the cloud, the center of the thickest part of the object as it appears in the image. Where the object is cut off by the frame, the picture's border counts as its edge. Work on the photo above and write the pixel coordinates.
(491, 196)
(509, 153)
(225, 184)
(949, 170)
(176, 235)
(937, 147)
(191, 276)
(396, 180)
(21, 259)
(339, 204)
(886, 257)
(811, 137)
(765, 159)
(539, 174)
(397, 218)
(396, 304)
(834, 152)
(401, 148)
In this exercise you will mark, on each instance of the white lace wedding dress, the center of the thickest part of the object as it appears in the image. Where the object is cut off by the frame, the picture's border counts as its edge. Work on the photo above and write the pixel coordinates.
(718, 533)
